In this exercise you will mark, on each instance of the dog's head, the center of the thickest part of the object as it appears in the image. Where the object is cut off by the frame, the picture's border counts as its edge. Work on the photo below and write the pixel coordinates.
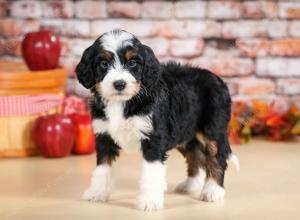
(118, 66)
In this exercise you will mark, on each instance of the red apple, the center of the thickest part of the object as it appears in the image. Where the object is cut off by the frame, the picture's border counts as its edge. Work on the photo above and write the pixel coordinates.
(84, 138)
(41, 50)
(54, 135)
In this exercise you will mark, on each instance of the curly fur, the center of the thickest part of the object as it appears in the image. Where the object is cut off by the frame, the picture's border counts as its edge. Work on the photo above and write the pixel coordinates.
(181, 102)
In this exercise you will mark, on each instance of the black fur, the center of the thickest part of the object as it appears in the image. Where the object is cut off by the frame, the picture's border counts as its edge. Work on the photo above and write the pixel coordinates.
(107, 149)
(184, 100)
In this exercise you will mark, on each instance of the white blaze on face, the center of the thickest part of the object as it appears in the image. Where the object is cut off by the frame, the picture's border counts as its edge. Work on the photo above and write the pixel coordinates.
(112, 42)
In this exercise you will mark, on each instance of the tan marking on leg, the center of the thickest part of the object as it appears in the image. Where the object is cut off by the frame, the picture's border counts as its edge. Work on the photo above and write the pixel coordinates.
(200, 137)
(195, 160)
(211, 146)
(214, 170)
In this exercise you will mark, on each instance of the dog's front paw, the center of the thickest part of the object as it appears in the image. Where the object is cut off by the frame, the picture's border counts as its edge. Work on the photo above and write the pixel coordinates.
(95, 195)
(153, 202)
(212, 192)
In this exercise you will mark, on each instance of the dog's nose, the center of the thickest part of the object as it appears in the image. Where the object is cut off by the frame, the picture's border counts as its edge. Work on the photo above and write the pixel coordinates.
(119, 85)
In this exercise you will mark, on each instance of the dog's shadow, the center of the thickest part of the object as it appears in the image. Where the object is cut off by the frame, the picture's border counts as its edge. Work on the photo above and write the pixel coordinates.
(129, 201)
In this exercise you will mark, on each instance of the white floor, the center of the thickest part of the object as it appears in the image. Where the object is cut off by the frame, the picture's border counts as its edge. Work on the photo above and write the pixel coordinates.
(267, 187)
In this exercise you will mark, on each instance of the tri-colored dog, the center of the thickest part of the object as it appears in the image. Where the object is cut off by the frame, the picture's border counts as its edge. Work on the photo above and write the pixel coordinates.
(155, 107)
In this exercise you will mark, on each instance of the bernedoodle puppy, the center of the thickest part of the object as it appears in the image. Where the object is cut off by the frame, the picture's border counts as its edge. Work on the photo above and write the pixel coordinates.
(139, 102)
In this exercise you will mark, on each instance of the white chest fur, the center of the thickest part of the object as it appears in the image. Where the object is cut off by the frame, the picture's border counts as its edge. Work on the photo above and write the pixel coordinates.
(127, 133)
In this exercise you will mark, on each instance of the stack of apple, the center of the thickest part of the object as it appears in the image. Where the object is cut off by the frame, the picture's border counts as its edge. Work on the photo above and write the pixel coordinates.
(58, 135)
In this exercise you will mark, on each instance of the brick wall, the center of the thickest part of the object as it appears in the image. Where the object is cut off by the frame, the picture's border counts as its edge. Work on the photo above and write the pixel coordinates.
(253, 45)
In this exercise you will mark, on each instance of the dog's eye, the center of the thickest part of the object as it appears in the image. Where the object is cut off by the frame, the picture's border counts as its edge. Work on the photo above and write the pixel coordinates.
(131, 63)
(104, 64)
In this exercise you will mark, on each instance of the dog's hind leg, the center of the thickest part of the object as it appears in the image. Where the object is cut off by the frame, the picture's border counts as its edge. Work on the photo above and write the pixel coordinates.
(215, 166)
(212, 132)
(196, 173)
(206, 168)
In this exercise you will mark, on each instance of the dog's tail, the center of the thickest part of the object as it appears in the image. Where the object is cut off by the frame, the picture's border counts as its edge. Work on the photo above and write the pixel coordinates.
(234, 160)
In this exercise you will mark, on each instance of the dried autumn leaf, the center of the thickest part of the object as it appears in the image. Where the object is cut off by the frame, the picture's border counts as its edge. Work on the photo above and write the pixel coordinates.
(260, 109)
(296, 128)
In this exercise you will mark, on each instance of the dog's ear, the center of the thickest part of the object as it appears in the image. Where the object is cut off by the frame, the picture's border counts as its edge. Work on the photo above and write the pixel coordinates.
(151, 68)
(150, 58)
(84, 70)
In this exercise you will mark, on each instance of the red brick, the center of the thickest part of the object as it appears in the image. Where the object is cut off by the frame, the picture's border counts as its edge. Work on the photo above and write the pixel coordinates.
(2, 47)
(75, 47)
(232, 29)
(142, 29)
(67, 27)
(285, 47)
(232, 86)
(224, 9)
(278, 67)
(157, 9)
(206, 29)
(253, 47)
(249, 98)
(58, 9)
(277, 28)
(79, 45)
(281, 104)
(159, 45)
(13, 47)
(26, 9)
(288, 86)
(190, 9)
(66, 45)
(294, 29)
(3, 8)
(227, 66)
(90, 9)
(164, 59)
(69, 62)
(186, 48)
(296, 101)
(259, 9)
(188, 28)
(219, 48)
(169, 29)
(124, 9)
(289, 10)
(255, 86)
(11, 27)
